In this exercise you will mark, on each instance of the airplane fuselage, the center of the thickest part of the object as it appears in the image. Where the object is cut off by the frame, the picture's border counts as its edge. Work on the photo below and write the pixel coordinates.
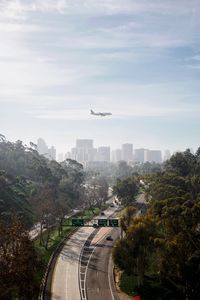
(101, 114)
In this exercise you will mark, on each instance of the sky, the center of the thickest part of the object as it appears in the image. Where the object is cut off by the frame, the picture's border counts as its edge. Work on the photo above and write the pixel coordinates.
(139, 59)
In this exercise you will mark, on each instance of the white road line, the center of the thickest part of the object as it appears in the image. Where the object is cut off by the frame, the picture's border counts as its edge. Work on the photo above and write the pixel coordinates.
(113, 298)
(90, 259)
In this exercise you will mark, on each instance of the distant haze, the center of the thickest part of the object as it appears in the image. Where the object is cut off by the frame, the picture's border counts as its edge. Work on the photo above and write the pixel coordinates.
(139, 60)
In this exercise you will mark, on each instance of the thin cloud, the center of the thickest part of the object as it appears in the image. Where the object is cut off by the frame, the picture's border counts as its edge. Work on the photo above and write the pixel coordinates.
(124, 113)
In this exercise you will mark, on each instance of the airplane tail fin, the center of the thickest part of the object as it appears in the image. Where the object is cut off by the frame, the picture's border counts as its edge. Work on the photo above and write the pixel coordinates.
(91, 111)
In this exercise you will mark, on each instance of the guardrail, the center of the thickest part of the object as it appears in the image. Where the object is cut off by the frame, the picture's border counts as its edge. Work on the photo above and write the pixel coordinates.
(45, 287)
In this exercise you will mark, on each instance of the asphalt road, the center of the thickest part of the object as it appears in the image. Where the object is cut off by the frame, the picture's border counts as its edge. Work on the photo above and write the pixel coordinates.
(99, 277)
(65, 282)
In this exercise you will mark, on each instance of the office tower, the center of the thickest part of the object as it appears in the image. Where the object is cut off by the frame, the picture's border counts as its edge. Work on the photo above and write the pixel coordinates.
(138, 155)
(116, 155)
(103, 154)
(84, 143)
(52, 153)
(84, 150)
(42, 147)
(153, 156)
(127, 152)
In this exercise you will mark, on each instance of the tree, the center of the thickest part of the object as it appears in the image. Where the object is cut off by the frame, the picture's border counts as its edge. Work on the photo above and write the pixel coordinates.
(132, 253)
(127, 218)
(18, 262)
(126, 190)
(164, 245)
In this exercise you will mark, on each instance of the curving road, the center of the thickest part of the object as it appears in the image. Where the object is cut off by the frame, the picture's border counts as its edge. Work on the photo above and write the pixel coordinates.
(65, 280)
(99, 278)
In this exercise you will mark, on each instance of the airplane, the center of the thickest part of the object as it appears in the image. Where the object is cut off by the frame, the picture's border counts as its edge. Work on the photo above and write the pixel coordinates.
(102, 114)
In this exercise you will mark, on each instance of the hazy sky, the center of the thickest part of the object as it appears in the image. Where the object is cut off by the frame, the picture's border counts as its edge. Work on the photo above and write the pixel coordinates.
(139, 59)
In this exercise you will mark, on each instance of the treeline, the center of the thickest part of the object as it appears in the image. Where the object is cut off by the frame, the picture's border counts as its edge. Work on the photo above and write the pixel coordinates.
(41, 192)
(18, 262)
(161, 249)
(31, 185)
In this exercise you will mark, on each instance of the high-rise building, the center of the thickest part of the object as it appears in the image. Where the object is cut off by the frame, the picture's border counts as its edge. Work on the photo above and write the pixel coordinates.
(84, 150)
(84, 143)
(127, 152)
(138, 155)
(153, 156)
(42, 147)
(103, 154)
(116, 155)
(52, 153)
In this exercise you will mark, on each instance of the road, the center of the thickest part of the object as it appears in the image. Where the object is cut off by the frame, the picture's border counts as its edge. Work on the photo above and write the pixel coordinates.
(65, 281)
(35, 230)
(99, 278)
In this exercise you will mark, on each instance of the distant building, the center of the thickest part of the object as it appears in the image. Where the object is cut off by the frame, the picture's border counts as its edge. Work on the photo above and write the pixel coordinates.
(127, 152)
(43, 149)
(153, 156)
(52, 153)
(84, 143)
(116, 155)
(84, 151)
(138, 155)
(73, 154)
(103, 154)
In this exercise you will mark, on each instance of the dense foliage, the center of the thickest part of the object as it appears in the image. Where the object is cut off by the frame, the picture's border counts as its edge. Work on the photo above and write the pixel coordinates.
(126, 189)
(32, 186)
(162, 248)
(18, 262)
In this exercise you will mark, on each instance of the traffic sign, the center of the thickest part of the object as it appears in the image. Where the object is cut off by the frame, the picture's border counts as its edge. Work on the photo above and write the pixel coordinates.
(77, 222)
(102, 222)
(113, 223)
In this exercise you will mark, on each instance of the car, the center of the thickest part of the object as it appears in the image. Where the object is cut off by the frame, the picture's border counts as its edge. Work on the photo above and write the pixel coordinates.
(109, 238)
(111, 205)
(102, 213)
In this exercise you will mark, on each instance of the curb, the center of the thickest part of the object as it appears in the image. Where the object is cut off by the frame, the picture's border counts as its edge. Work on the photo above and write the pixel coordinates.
(45, 287)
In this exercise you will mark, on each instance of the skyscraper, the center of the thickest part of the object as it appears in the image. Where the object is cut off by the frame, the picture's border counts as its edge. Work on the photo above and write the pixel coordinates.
(153, 156)
(116, 155)
(103, 154)
(84, 150)
(52, 153)
(127, 152)
(42, 147)
(139, 155)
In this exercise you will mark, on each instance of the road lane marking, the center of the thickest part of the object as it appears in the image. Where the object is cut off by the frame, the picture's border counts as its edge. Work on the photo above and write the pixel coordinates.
(113, 298)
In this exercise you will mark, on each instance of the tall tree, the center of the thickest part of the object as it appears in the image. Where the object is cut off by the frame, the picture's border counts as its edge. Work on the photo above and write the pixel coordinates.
(18, 262)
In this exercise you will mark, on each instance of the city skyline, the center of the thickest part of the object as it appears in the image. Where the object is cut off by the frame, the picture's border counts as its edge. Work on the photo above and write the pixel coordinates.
(138, 60)
(84, 151)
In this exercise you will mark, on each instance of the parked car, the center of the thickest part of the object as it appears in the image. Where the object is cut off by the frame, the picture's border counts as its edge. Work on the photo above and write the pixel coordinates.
(102, 213)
